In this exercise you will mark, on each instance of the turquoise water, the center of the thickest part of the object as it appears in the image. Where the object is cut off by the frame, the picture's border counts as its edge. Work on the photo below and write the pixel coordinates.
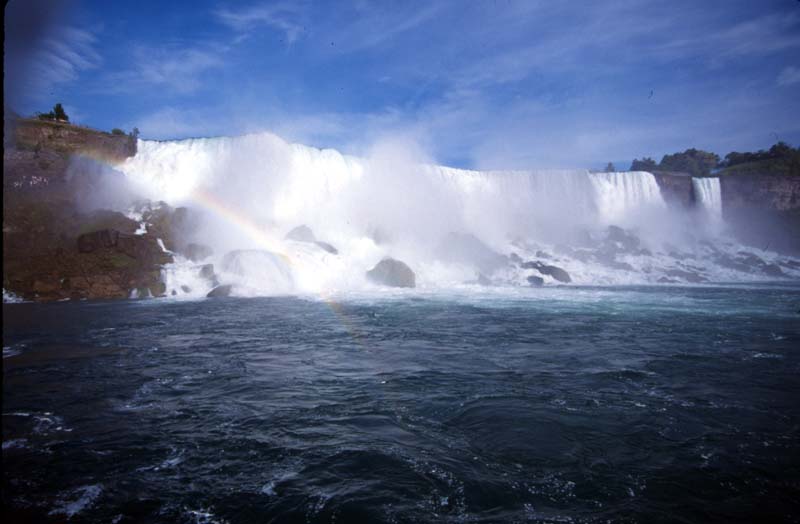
(631, 404)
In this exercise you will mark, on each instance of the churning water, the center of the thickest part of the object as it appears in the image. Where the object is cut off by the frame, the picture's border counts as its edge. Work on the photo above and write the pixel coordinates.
(571, 404)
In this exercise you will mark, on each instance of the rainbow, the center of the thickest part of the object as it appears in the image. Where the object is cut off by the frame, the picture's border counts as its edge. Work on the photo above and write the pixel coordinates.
(241, 221)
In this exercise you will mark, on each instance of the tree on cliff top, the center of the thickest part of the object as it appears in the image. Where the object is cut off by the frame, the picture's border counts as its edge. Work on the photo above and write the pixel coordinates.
(610, 168)
(693, 161)
(780, 158)
(57, 113)
(645, 164)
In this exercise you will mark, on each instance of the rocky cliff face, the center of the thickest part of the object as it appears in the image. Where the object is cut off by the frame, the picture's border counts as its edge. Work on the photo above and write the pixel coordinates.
(763, 209)
(61, 137)
(764, 191)
(676, 188)
(52, 248)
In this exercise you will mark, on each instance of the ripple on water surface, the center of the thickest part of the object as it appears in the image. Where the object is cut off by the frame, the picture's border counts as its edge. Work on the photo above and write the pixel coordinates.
(569, 405)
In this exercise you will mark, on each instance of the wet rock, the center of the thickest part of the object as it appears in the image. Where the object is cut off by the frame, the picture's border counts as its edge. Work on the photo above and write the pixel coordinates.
(622, 266)
(327, 247)
(158, 289)
(553, 271)
(623, 239)
(305, 234)
(393, 273)
(793, 264)
(773, 270)
(301, 234)
(220, 291)
(731, 263)
(196, 252)
(168, 223)
(186, 289)
(207, 272)
(535, 281)
(92, 241)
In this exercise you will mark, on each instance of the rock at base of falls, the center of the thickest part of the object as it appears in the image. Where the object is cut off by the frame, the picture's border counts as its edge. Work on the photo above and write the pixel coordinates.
(220, 291)
(535, 281)
(393, 273)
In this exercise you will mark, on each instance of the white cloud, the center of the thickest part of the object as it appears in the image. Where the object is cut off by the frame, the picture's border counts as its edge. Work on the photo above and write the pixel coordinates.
(283, 16)
(789, 76)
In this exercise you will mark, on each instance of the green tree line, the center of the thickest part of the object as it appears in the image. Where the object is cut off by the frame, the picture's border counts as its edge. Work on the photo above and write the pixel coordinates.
(780, 158)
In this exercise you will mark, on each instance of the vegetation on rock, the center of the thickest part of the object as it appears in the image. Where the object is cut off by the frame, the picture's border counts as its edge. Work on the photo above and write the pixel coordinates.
(780, 159)
(57, 113)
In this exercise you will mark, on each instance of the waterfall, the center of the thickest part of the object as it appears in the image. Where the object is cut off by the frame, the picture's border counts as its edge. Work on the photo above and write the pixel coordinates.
(620, 194)
(708, 194)
(251, 190)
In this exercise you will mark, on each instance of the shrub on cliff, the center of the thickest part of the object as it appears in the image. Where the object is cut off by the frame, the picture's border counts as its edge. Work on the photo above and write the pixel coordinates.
(57, 113)
(781, 158)
(696, 162)
(645, 164)
(117, 131)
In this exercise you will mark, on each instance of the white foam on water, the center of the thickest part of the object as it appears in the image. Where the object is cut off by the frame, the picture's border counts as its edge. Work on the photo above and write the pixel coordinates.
(11, 298)
(86, 497)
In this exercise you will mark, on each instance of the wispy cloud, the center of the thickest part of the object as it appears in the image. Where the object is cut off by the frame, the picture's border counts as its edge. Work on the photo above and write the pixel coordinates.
(760, 36)
(177, 69)
(789, 76)
(52, 62)
(282, 16)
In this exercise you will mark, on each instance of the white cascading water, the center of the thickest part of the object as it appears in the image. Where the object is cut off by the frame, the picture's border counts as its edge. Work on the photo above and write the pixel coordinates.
(618, 194)
(708, 194)
(255, 188)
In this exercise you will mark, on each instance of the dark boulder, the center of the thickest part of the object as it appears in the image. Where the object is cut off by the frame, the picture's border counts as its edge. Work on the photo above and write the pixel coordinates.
(623, 239)
(196, 252)
(207, 272)
(553, 271)
(535, 281)
(89, 242)
(327, 247)
(305, 234)
(391, 272)
(773, 270)
(301, 234)
(220, 291)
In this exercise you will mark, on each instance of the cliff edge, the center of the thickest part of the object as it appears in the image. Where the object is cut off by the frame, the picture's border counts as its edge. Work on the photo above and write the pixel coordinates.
(54, 248)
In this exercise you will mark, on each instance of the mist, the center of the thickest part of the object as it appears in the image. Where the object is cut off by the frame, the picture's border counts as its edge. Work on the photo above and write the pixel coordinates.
(451, 226)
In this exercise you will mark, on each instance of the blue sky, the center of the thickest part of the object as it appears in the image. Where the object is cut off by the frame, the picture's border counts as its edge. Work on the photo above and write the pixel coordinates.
(481, 84)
